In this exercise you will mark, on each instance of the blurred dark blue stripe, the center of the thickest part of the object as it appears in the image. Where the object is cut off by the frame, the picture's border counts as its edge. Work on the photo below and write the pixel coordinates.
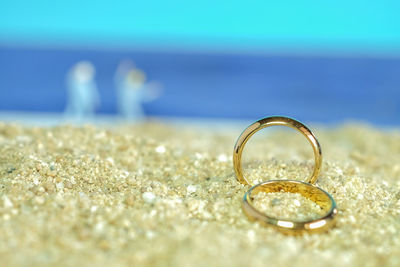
(324, 89)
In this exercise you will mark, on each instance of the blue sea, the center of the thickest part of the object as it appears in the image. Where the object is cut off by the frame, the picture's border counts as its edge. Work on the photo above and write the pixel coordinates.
(324, 89)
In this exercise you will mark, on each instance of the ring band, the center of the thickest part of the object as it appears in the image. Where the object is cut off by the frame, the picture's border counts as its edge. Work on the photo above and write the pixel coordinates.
(275, 121)
(312, 192)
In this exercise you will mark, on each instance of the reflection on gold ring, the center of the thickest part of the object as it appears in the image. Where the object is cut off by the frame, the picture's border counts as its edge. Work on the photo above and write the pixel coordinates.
(312, 192)
(275, 121)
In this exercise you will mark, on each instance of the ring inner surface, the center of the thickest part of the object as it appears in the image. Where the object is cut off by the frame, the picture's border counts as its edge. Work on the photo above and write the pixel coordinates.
(312, 193)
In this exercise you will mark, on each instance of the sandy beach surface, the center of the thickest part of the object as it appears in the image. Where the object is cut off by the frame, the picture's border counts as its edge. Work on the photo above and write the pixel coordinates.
(162, 195)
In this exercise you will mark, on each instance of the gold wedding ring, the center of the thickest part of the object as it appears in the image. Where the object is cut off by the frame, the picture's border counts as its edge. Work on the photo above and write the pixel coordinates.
(312, 192)
(275, 121)
(306, 189)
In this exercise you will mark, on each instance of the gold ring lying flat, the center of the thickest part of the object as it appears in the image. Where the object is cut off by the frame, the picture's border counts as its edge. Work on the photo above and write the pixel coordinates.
(275, 121)
(312, 192)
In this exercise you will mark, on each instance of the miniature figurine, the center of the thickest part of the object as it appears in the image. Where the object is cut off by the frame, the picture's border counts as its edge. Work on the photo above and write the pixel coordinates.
(132, 91)
(83, 96)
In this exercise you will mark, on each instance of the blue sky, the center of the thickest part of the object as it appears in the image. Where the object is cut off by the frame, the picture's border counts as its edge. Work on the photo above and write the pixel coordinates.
(284, 24)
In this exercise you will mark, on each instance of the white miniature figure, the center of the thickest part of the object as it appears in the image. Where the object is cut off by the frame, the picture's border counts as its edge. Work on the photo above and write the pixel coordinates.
(83, 96)
(132, 91)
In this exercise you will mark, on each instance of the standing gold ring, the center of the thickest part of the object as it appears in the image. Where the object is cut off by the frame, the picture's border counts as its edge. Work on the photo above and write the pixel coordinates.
(312, 192)
(275, 121)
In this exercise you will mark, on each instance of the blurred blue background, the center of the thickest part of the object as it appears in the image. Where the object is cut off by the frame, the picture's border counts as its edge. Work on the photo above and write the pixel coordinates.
(318, 61)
